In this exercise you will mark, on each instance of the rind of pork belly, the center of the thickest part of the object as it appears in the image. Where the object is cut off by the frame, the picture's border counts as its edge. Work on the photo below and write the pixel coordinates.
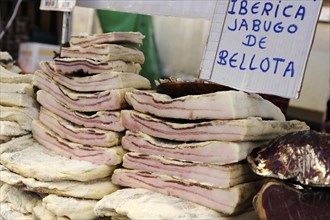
(98, 155)
(104, 52)
(229, 201)
(84, 40)
(219, 152)
(106, 120)
(89, 66)
(98, 82)
(218, 105)
(77, 134)
(221, 130)
(222, 176)
(85, 102)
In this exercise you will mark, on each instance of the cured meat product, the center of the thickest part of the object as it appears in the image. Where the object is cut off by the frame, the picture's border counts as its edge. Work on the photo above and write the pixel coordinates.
(88, 66)
(218, 105)
(10, 128)
(8, 212)
(276, 200)
(94, 189)
(222, 176)
(106, 120)
(7, 76)
(84, 40)
(303, 156)
(145, 204)
(98, 155)
(21, 88)
(104, 52)
(222, 130)
(81, 135)
(218, 152)
(20, 115)
(85, 102)
(98, 82)
(16, 99)
(229, 201)
(27, 158)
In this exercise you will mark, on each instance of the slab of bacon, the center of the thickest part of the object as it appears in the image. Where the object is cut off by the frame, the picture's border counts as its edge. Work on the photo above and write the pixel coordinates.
(221, 130)
(106, 120)
(77, 134)
(113, 99)
(230, 200)
(218, 152)
(89, 66)
(98, 155)
(104, 52)
(222, 176)
(98, 82)
(218, 105)
(84, 40)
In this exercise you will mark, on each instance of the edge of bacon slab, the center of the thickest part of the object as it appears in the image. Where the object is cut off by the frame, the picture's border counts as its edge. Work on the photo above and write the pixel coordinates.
(219, 152)
(222, 176)
(229, 200)
(218, 105)
(98, 155)
(89, 66)
(97, 82)
(106, 120)
(113, 37)
(104, 52)
(85, 102)
(81, 135)
(222, 130)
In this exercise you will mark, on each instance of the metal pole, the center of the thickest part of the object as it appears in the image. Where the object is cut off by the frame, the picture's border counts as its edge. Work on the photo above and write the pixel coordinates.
(66, 27)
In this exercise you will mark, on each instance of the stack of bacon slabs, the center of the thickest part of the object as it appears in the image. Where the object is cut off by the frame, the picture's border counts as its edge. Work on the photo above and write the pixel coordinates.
(17, 104)
(194, 147)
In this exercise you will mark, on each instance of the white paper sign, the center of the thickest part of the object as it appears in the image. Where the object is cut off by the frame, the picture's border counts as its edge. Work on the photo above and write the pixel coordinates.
(57, 5)
(261, 46)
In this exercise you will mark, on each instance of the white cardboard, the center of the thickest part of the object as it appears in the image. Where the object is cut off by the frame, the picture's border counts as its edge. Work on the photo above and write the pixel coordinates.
(288, 51)
(57, 5)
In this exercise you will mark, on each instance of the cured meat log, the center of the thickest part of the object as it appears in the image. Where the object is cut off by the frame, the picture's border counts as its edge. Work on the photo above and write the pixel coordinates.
(222, 176)
(218, 105)
(104, 52)
(276, 200)
(98, 155)
(81, 135)
(86, 102)
(222, 130)
(303, 156)
(89, 66)
(84, 40)
(98, 82)
(106, 120)
(229, 201)
(219, 152)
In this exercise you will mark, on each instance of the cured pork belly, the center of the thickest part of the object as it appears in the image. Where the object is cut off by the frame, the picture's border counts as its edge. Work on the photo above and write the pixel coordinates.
(301, 156)
(40, 212)
(84, 40)
(229, 201)
(81, 135)
(93, 189)
(104, 52)
(89, 66)
(287, 202)
(98, 82)
(17, 99)
(222, 130)
(20, 115)
(106, 120)
(27, 158)
(8, 212)
(21, 88)
(7, 76)
(98, 155)
(219, 152)
(138, 204)
(218, 105)
(10, 128)
(85, 102)
(222, 176)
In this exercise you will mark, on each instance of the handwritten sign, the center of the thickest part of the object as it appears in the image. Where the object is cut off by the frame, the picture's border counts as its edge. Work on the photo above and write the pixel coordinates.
(263, 46)
(57, 5)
